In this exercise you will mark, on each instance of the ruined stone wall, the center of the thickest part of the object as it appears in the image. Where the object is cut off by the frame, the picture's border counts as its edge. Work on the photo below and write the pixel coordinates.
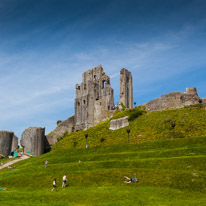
(119, 123)
(33, 140)
(126, 89)
(14, 143)
(66, 125)
(174, 100)
(6, 139)
(203, 100)
(93, 96)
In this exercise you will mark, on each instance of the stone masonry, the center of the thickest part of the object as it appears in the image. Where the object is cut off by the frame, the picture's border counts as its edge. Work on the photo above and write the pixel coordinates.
(174, 100)
(33, 140)
(119, 123)
(126, 89)
(8, 142)
(94, 102)
(66, 125)
(94, 96)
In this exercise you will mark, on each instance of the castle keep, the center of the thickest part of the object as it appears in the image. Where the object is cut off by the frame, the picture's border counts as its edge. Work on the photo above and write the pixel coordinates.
(94, 96)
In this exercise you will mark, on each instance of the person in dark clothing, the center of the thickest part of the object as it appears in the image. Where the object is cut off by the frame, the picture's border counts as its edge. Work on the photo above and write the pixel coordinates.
(54, 185)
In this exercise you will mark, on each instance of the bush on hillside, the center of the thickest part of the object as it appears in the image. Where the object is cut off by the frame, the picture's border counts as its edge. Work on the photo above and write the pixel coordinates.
(131, 113)
(63, 136)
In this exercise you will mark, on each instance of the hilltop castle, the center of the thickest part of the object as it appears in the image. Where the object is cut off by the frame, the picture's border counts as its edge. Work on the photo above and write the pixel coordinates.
(94, 101)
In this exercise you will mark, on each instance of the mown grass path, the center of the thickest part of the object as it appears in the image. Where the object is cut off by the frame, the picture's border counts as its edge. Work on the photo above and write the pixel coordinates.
(14, 161)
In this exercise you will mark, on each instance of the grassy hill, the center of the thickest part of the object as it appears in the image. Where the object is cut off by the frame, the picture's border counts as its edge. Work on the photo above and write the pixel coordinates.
(171, 171)
(190, 121)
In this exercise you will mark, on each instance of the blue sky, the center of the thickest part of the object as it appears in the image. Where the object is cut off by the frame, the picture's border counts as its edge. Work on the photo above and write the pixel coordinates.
(45, 45)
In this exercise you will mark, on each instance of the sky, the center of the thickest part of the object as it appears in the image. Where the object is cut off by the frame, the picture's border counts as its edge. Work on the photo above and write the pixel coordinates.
(46, 45)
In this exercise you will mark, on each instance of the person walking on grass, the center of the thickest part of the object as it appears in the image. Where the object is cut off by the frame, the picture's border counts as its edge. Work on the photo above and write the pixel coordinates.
(129, 180)
(46, 162)
(54, 185)
(64, 180)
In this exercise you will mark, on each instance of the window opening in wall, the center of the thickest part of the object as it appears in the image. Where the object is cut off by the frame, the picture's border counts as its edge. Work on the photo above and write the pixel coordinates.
(103, 84)
(78, 103)
(100, 103)
(108, 107)
(72, 129)
(78, 87)
(95, 76)
(127, 79)
(85, 86)
(84, 101)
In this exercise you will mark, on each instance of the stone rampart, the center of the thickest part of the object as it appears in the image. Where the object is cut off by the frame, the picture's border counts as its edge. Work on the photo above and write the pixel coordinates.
(203, 100)
(33, 140)
(63, 126)
(174, 100)
(119, 123)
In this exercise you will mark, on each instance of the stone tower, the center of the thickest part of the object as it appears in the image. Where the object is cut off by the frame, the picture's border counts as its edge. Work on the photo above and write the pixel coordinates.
(94, 96)
(126, 89)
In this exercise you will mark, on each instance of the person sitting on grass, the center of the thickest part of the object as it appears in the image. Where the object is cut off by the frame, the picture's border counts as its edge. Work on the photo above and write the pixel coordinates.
(3, 189)
(54, 185)
(129, 180)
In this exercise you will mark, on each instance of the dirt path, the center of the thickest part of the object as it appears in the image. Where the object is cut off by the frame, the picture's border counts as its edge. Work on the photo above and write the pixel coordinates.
(14, 161)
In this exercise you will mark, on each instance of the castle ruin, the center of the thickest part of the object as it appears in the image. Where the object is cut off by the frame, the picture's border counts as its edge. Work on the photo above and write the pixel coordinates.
(126, 89)
(33, 140)
(174, 100)
(94, 101)
(8, 142)
(94, 96)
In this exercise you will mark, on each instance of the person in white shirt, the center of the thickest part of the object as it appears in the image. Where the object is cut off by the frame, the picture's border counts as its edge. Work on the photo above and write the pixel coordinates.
(64, 181)
(54, 185)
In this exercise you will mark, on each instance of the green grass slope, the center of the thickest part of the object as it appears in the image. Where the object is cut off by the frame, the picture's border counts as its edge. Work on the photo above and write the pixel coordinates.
(190, 121)
(171, 171)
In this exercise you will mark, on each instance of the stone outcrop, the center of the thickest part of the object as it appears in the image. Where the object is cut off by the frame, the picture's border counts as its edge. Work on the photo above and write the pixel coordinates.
(119, 123)
(174, 100)
(8, 142)
(126, 89)
(33, 140)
